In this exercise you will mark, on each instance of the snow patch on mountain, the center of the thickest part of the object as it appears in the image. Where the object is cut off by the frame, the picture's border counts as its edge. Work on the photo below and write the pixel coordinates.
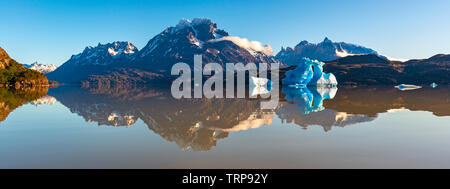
(397, 59)
(119, 48)
(112, 52)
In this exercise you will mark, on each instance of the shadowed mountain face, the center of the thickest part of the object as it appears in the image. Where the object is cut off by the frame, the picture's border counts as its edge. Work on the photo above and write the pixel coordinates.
(10, 99)
(199, 123)
(375, 70)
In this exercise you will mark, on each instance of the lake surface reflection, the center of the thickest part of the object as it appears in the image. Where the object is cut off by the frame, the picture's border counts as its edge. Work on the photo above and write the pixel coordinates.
(361, 127)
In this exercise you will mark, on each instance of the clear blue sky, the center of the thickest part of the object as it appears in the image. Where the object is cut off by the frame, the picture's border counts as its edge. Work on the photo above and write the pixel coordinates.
(51, 31)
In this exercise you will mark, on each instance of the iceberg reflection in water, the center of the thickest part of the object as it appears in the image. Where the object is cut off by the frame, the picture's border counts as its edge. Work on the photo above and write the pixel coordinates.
(259, 86)
(309, 99)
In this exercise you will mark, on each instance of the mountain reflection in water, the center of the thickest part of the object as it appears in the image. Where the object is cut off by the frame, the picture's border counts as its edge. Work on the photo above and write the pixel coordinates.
(10, 99)
(198, 124)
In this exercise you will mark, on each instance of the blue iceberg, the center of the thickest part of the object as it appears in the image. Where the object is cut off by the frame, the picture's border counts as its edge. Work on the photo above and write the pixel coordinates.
(300, 76)
(310, 72)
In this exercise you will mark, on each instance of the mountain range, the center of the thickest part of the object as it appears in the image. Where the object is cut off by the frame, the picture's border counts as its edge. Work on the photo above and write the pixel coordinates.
(119, 61)
(95, 60)
(122, 63)
(323, 51)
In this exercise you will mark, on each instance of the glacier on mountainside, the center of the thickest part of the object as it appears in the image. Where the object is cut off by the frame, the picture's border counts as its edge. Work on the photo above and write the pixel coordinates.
(309, 72)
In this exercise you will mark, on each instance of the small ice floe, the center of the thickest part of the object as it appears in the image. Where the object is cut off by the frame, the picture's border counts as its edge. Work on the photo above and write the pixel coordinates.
(433, 85)
(405, 87)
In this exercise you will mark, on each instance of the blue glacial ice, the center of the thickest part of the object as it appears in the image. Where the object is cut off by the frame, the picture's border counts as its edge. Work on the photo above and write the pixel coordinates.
(433, 85)
(300, 76)
(309, 99)
(309, 72)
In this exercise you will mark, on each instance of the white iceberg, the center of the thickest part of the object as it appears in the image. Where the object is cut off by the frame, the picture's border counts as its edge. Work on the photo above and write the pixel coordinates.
(405, 87)
(320, 78)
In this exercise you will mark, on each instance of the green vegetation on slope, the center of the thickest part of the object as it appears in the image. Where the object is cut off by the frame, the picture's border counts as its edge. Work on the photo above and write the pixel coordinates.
(15, 72)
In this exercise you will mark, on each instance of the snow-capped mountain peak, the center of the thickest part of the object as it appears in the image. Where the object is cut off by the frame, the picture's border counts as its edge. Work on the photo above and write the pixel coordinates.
(104, 54)
(97, 60)
(195, 32)
(43, 68)
(200, 34)
(182, 24)
(185, 23)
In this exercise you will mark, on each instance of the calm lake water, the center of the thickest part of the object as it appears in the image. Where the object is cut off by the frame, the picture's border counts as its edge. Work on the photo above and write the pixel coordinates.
(362, 127)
